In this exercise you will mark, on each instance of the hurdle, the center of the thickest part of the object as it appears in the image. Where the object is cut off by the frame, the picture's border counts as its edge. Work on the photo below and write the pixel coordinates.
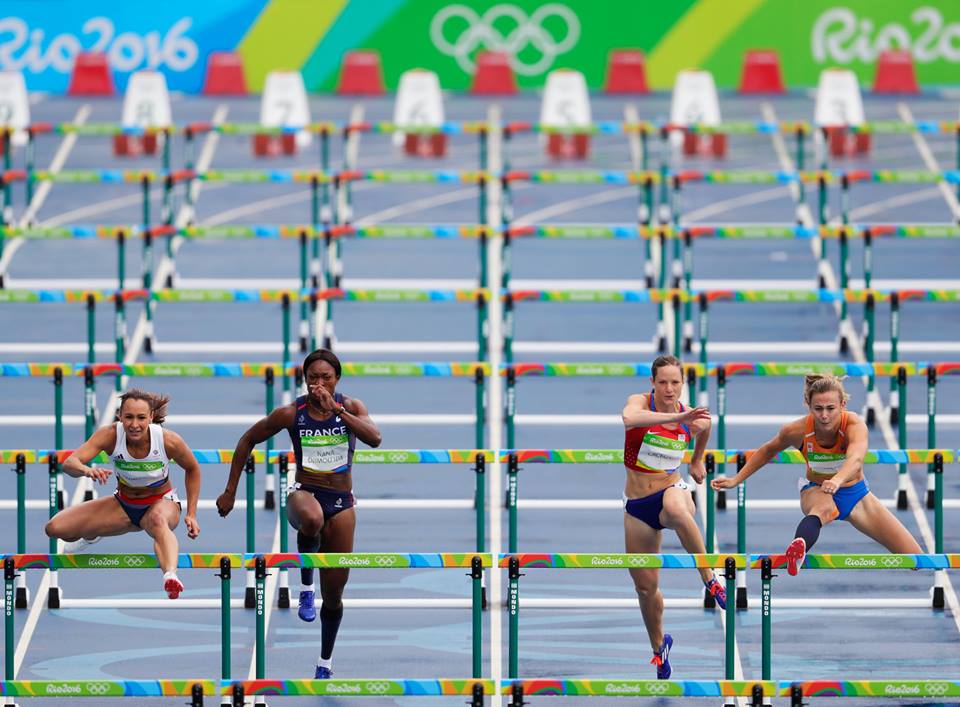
(260, 564)
(767, 563)
(515, 562)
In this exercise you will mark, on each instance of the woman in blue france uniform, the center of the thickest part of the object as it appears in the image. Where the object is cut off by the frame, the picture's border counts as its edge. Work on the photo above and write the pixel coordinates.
(141, 451)
(324, 426)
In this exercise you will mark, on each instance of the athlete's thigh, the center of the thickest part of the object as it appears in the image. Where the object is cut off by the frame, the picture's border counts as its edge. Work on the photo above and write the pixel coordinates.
(301, 505)
(166, 509)
(102, 516)
(816, 501)
(677, 501)
(338, 532)
(875, 520)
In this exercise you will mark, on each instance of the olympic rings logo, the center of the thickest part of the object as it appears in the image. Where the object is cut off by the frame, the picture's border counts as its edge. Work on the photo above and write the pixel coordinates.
(891, 561)
(658, 688)
(134, 561)
(638, 560)
(936, 688)
(397, 457)
(379, 688)
(527, 32)
(98, 688)
(385, 560)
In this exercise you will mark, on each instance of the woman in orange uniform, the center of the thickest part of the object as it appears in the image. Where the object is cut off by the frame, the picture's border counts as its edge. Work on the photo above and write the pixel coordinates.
(658, 429)
(833, 442)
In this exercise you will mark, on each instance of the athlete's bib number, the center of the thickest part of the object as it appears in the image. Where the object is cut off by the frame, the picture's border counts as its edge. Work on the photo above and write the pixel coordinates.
(660, 453)
(325, 453)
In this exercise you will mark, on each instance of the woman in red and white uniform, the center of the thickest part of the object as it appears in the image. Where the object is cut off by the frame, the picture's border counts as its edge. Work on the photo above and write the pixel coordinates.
(658, 429)
(141, 451)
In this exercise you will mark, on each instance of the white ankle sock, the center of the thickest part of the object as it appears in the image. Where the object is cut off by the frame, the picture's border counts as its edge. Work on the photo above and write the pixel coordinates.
(322, 663)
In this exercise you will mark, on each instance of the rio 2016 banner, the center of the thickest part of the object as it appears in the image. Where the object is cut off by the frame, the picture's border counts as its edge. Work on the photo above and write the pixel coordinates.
(41, 38)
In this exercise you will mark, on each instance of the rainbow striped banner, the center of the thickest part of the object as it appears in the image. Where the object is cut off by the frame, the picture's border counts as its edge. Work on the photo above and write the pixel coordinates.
(415, 231)
(524, 456)
(450, 127)
(357, 688)
(746, 176)
(120, 561)
(259, 176)
(866, 562)
(225, 456)
(372, 560)
(547, 687)
(422, 370)
(531, 560)
(583, 176)
(416, 176)
(107, 688)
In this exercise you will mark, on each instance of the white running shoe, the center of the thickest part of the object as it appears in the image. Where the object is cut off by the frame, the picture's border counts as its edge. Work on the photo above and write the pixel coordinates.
(72, 548)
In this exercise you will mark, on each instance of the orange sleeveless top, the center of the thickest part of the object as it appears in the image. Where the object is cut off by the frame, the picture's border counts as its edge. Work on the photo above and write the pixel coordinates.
(825, 461)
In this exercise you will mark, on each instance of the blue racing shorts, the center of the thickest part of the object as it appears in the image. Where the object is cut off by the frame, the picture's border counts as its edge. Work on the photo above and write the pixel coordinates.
(846, 497)
(648, 508)
(331, 501)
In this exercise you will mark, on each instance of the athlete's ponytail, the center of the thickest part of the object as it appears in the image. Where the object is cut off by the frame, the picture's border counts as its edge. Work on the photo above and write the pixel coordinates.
(815, 383)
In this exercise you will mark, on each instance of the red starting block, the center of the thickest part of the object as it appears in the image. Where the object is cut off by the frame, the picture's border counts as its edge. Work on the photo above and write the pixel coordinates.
(494, 75)
(895, 72)
(91, 75)
(843, 143)
(225, 75)
(361, 73)
(420, 145)
(713, 144)
(575, 146)
(268, 145)
(626, 72)
(761, 72)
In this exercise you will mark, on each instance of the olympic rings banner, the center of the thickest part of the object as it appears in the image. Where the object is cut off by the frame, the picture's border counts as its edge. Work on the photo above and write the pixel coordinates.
(177, 36)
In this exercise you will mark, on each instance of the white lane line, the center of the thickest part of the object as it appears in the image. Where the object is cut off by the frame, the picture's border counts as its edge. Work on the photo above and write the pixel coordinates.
(40, 195)
(856, 349)
(931, 162)
(719, 207)
(495, 397)
(468, 348)
(913, 197)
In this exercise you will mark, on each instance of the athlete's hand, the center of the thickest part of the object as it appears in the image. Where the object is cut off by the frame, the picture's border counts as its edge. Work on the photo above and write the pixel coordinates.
(225, 503)
(723, 482)
(97, 473)
(193, 528)
(698, 472)
(697, 414)
(323, 397)
(830, 486)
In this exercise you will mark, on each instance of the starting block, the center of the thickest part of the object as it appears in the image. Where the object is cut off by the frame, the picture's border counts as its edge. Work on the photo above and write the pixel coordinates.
(225, 75)
(146, 104)
(566, 104)
(695, 102)
(361, 73)
(761, 72)
(91, 75)
(419, 103)
(840, 105)
(626, 72)
(284, 105)
(14, 108)
(494, 75)
(895, 72)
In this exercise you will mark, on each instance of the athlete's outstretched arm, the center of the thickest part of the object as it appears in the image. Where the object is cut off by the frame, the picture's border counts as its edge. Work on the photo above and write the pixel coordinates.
(857, 438)
(102, 440)
(786, 437)
(264, 429)
(637, 413)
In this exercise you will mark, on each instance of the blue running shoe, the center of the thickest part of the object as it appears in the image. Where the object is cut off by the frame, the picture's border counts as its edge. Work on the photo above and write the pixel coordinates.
(307, 611)
(661, 658)
(719, 593)
(322, 673)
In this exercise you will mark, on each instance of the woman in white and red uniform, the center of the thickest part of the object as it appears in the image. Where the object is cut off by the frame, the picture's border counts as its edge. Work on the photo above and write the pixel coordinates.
(833, 442)
(141, 451)
(657, 431)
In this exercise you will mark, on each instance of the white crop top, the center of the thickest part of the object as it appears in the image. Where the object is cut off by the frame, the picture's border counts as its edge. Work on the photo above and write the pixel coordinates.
(152, 470)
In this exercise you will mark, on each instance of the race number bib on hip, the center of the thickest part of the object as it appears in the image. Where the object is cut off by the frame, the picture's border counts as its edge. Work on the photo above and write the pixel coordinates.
(325, 454)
